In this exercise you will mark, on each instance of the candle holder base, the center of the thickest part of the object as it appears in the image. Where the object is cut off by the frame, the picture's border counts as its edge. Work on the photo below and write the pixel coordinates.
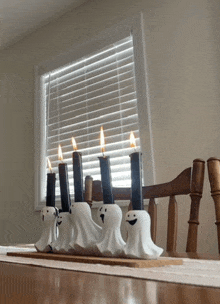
(134, 263)
(49, 233)
(139, 243)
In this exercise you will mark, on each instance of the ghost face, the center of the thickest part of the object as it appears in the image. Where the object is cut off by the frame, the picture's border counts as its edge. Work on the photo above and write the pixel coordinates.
(137, 219)
(109, 215)
(139, 243)
(59, 219)
(48, 213)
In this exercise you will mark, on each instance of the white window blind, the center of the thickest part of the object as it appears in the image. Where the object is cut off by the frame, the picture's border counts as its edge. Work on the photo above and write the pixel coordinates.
(97, 90)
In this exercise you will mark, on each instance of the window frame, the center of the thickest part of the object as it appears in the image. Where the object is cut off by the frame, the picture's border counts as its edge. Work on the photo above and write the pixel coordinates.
(134, 25)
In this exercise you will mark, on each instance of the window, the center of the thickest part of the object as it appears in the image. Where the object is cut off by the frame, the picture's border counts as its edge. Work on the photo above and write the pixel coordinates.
(77, 98)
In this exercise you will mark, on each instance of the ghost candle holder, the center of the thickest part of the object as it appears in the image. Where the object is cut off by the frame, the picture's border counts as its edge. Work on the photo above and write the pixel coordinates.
(86, 231)
(66, 232)
(111, 243)
(139, 243)
(49, 233)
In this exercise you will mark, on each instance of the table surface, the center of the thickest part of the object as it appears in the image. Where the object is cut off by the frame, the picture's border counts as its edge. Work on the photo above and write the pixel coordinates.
(21, 283)
(31, 284)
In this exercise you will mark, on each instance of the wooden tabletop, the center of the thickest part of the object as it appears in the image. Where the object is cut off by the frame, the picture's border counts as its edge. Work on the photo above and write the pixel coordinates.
(29, 284)
(192, 255)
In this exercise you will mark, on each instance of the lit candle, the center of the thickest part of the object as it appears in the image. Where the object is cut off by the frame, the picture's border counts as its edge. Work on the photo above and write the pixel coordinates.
(136, 176)
(64, 184)
(77, 173)
(51, 179)
(105, 173)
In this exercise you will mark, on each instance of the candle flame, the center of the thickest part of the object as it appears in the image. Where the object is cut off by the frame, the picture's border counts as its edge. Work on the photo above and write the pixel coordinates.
(74, 144)
(132, 140)
(102, 140)
(49, 165)
(60, 154)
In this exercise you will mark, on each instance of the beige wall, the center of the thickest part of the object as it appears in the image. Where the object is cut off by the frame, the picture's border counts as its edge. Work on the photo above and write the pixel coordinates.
(182, 40)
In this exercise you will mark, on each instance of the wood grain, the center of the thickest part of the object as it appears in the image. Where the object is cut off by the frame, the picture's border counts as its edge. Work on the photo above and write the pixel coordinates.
(37, 285)
(178, 186)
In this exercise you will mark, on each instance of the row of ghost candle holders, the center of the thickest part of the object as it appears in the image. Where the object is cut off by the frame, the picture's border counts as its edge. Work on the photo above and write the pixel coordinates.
(73, 230)
(76, 233)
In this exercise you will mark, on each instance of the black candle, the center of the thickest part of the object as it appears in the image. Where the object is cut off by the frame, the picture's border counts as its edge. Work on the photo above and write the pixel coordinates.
(108, 197)
(136, 181)
(136, 177)
(77, 174)
(64, 185)
(51, 179)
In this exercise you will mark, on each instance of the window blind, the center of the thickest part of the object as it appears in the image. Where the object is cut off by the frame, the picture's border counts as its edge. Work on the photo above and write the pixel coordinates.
(97, 90)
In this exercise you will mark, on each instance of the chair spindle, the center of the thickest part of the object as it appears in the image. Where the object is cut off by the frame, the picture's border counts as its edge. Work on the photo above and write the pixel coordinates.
(88, 190)
(172, 225)
(214, 178)
(152, 210)
(196, 195)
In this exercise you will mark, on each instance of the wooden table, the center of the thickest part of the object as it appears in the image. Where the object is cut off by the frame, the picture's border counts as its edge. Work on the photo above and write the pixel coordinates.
(30, 284)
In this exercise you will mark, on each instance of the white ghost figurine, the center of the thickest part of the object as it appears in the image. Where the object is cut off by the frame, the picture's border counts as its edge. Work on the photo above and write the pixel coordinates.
(111, 243)
(61, 244)
(86, 231)
(49, 233)
(139, 243)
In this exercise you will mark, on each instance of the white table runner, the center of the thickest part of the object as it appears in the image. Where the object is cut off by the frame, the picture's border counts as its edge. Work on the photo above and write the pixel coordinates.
(194, 272)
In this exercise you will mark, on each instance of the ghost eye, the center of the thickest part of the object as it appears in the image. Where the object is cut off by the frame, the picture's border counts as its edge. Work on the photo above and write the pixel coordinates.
(128, 215)
(134, 215)
(100, 209)
(47, 210)
(105, 210)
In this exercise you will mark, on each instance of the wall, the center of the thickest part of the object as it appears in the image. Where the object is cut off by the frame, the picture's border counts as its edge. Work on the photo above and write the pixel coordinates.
(182, 39)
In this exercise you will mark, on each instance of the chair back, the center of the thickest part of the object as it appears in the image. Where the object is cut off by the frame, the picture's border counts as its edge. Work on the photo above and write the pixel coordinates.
(188, 182)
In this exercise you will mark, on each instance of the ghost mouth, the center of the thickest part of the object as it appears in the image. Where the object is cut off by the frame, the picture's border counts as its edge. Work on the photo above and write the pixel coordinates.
(58, 223)
(132, 222)
(102, 217)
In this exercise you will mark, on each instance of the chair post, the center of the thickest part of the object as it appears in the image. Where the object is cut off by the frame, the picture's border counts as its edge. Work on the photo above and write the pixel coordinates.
(172, 225)
(88, 190)
(152, 210)
(214, 179)
(196, 195)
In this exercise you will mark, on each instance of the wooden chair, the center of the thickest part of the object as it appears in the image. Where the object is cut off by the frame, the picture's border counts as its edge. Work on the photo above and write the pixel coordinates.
(213, 164)
(190, 181)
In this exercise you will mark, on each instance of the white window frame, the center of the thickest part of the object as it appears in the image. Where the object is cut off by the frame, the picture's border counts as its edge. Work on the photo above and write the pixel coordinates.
(133, 25)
